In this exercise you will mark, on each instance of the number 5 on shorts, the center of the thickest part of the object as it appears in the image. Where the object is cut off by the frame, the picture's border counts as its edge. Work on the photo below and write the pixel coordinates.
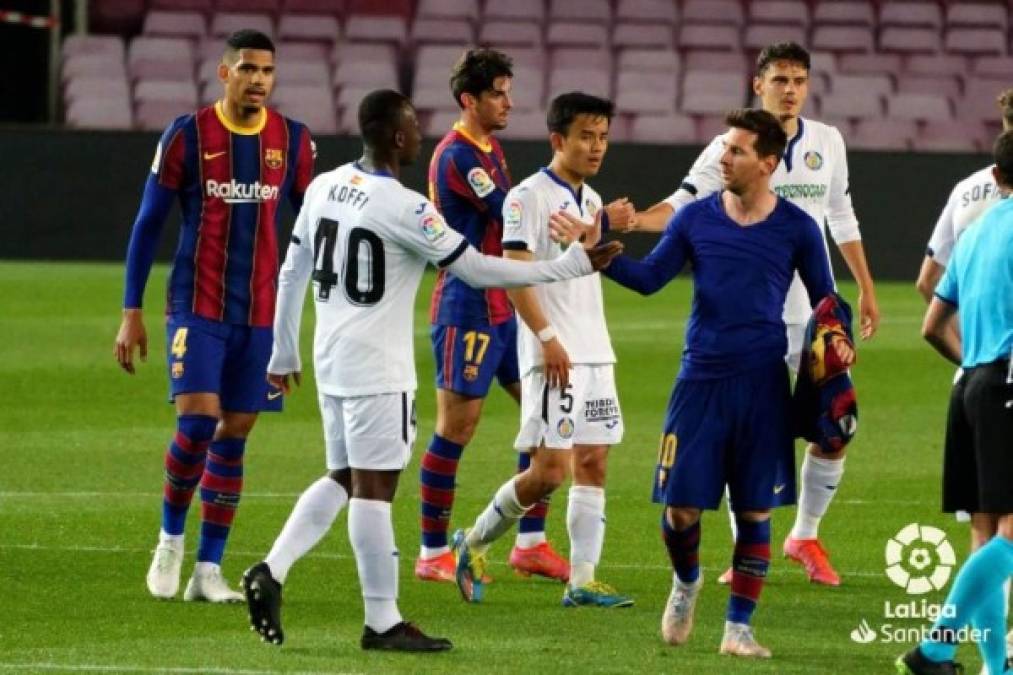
(179, 343)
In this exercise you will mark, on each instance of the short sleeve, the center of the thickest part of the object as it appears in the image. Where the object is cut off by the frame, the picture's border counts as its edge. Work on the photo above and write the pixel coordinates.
(948, 289)
(424, 231)
(941, 242)
(168, 163)
(522, 225)
(703, 179)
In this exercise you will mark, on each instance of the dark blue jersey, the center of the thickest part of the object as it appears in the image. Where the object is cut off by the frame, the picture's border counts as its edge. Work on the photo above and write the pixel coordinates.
(741, 275)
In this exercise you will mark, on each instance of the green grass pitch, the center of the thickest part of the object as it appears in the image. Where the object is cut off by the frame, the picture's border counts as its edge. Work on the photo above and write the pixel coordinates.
(80, 480)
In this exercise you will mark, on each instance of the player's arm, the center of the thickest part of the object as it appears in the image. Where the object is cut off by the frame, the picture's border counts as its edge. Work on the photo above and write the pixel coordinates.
(844, 230)
(303, 170)
(660, 266)
(293, 279)
(937, 329)
(937, 254)
(703, 179)
(467, 177)
(814, 270)
(156, 202)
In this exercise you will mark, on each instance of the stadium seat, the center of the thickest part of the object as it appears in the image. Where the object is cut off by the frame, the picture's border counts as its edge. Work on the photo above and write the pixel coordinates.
(856, 13)
(992, 66)
(448, 9)
(976, 41)
(432, 64)
(528, 126)
(779, 12)
(303, 51)
(453, 31)
(713, 11)
(165, 58)
(312, 106)
(715, 62)
(823, 63)
(910, 14)
(646, 92)
(95, 86)
(648, 11)
(169, 91)
(528, 87)
(349, 98)
(649, 60)
(581, 11)
(909, 40)
(175, 24)
(399, 8)
(977, 15)
(224, 24)
(85, 65)
(904, 106)
(294, 71)
(123, 17)
(180, 5)
(944, 85)
(709, 36)
(265, 6)
(364, 52)
(852, 104)
(433, 97)
(883, 134)
(369, 28)
(705, 93)
(869, 64)
(510, 33)
(663, 129)
(332, 7)
(641, 35)
(587, 79)
(99, 113)
(583, 57)
(759, 35)
(308, 28)
(950, 136)
(979, 99)
(378, 74)
(106, 45)
(879, 85)
(842, 124)
(831, 38)
(709, 126)
(941, 64)
(570, 34)
(515, 10)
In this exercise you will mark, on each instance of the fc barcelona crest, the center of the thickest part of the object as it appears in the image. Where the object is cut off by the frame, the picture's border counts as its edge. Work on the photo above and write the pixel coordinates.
(273, 158)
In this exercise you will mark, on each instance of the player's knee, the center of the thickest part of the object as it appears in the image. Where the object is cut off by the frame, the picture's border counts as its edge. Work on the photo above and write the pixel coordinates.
(235, 425)
(590, 468)
(549, 472)
(342, 477)
(457, 426)
(681, 518)
(818, 452)
(752, 516)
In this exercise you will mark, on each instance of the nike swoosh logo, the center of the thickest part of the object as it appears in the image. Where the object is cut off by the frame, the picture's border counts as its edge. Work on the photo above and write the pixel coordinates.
(778, 489)
(271, 395)
(212, 155)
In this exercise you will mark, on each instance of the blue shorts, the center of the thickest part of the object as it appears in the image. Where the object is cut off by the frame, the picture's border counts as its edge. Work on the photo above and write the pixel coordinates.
(468, 358)
(735, 431)
(230, 360)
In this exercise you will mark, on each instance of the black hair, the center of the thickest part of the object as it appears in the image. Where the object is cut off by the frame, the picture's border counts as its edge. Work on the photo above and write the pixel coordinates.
(770, 137)
(247, 38)
(1005, 101)
(476, 71)
(1002, 153)
(782, 51)
(380, 117)
(565, 108)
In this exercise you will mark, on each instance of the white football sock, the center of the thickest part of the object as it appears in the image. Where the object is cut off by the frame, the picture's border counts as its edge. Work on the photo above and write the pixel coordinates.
(499, 516)
(372, 535)
(425, 552)
(820, 478)
(175, 540)
(585, 521)
(311, 518)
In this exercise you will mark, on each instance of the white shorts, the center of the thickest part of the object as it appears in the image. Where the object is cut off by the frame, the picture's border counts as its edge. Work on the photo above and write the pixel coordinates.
(796, 338)
(373, 433)
(586, 413)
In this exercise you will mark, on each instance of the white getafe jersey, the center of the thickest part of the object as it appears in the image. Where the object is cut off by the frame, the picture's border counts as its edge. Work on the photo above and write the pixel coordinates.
(373, 238)
(813, 175)
(970, 198)
(574, 307)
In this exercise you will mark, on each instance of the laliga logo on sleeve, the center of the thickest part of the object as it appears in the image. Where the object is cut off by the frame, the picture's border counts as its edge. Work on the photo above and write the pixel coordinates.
(432, 227)
(919, 559)
(480, 182)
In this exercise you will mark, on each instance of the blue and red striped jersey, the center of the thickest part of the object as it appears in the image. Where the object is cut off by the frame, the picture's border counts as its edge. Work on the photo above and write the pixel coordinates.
(229, 181)
(468, 182)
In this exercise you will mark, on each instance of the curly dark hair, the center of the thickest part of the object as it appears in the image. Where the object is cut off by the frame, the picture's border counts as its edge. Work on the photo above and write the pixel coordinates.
(476, 71)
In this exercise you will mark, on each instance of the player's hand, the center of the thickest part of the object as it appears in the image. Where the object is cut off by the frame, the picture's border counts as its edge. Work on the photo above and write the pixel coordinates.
(566, 228)
(622, 215)
(131, 334)
(601, 256)
(845, 352)
(280, 382)
(868, 311)
(557, 364)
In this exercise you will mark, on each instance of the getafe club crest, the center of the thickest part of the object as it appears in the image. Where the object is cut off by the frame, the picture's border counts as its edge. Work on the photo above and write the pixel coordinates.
(273, 158)
(813, 160)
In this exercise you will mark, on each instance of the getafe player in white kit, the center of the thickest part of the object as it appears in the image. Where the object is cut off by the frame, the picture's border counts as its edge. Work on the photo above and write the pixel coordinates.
(813, 175)
(569, 406)
(365, 240)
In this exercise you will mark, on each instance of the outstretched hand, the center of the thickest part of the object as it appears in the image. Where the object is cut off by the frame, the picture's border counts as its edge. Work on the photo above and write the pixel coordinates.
(622, 215)
(565, 228)
(601, 256)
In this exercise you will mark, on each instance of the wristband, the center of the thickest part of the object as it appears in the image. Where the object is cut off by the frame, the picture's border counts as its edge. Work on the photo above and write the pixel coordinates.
(547, 334)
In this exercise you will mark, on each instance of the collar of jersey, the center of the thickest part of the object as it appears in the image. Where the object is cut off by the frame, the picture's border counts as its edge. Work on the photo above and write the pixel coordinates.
(569, 188)
(789, 151)
(381, 173)
(484, 147)
(235, 128)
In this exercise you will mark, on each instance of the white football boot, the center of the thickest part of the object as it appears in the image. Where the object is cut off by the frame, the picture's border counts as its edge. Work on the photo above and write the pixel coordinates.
(739, 641)
(677, 621)
(208, 585)
(163, 575)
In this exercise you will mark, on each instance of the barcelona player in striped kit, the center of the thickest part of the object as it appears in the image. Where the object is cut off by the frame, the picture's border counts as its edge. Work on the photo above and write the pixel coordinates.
(474, 332)
(229, 164)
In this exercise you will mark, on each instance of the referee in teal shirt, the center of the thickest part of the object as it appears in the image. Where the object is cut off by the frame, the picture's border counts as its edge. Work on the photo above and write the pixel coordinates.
(978, 459)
